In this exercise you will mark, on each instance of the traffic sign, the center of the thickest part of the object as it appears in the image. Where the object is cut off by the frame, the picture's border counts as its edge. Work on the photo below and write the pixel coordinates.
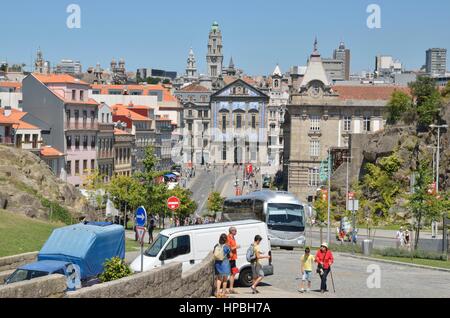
(249, 168)
(353, 205)
(173, 203)
(141, 233)
(323, 171)
(141, 216)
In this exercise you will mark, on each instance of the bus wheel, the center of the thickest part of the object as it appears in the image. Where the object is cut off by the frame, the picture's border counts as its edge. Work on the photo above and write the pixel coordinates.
(246, 277)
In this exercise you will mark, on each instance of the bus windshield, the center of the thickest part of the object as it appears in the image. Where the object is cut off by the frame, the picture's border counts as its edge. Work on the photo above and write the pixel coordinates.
(157, 245)
(285, 217)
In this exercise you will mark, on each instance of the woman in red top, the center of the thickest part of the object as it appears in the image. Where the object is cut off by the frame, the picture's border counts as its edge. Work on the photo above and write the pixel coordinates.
(324, 260)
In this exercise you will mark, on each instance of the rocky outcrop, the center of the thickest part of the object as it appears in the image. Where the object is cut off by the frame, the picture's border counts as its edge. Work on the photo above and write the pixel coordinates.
(25, 180)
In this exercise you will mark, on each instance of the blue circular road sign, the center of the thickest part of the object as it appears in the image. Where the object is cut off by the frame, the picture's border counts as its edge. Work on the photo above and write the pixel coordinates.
(141, 216)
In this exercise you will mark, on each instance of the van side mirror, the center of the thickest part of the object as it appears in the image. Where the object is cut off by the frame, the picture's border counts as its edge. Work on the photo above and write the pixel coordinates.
(163, 256)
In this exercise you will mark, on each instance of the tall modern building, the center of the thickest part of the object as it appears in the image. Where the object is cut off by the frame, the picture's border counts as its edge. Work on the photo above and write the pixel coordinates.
(214, 58)
(69, 67)
(436, 62)
(343, 54)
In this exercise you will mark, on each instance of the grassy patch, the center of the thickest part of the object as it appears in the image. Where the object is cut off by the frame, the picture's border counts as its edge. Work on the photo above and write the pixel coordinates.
(418, 261)
(133, 246)
(57, 212)
(20, 234)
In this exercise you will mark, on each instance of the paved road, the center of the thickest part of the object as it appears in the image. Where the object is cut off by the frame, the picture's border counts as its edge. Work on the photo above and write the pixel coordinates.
(203, 183)
(350, 277)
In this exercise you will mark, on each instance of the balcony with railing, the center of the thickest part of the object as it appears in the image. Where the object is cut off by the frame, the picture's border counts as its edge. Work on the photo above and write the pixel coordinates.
(81, 125)
(106, 127)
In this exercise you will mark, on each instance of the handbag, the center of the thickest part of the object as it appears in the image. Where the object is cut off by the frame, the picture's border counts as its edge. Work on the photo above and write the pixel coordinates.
(319, 266)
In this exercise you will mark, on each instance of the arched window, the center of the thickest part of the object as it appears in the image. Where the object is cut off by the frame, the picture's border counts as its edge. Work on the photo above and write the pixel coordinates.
(276, 83)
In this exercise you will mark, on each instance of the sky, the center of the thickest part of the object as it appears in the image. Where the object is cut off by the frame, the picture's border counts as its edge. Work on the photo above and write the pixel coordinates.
(257, 33)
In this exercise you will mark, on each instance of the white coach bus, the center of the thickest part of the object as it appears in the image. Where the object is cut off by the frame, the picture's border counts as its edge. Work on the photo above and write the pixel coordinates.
(282, 211)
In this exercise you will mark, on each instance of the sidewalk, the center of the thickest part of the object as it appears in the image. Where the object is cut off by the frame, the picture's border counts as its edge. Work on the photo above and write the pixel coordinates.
(267, 291)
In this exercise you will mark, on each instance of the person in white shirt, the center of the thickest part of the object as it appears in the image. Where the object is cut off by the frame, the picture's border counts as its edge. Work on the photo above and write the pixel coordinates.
(400, 237)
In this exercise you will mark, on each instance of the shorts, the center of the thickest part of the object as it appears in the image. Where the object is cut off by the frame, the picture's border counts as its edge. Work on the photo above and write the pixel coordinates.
(307, 276)
(257, 270)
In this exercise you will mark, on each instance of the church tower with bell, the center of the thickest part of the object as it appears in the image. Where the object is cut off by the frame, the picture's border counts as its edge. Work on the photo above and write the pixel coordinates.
(214, 58)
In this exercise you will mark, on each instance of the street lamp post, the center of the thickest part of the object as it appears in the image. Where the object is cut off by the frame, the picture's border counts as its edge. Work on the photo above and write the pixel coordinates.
(437, 160)
(329, 195)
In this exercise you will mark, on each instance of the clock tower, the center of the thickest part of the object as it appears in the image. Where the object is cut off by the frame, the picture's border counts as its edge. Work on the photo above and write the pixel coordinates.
(214, 58)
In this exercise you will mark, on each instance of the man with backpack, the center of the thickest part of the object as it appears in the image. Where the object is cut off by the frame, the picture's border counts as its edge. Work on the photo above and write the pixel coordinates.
(254, 256)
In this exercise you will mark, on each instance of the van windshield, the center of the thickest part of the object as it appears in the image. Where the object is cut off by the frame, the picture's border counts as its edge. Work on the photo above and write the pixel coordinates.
(157, 245)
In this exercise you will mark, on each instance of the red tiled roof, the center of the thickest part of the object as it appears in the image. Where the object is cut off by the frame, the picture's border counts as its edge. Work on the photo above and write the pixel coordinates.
(58, 79)
(15, 118)
(145, 89)
(368, 92)
(121, 110)
(194, 88)
(15, 85)
(48, 151)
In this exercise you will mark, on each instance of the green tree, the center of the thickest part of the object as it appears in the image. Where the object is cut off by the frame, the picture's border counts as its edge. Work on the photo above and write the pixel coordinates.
(215, 202)
(379, 187)
(428, 100)
(126, 193)
(187, 205)
(398, 105)
(321, 213)
(423, 204)
(166, 81)
(153, 80)
(93, 183)
(156, 194)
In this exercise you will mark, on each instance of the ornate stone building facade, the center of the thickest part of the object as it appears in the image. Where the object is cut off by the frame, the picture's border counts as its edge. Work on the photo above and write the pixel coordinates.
(239, 125)
(321, 117)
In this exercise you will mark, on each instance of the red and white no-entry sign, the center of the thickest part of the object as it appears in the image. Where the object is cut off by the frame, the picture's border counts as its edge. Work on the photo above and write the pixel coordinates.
(173, 203)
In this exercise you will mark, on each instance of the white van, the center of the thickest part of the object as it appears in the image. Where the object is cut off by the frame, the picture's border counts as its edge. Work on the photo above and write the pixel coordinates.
(189, 245)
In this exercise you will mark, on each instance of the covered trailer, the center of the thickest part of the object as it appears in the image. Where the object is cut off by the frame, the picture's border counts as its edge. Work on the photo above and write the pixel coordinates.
(86, 245)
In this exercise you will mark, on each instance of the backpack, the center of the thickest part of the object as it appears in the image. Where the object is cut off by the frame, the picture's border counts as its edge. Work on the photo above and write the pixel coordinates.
(218, 253)
(251, 257)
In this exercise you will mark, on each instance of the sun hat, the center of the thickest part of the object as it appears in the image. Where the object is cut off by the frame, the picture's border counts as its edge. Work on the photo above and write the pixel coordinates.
(324, 245)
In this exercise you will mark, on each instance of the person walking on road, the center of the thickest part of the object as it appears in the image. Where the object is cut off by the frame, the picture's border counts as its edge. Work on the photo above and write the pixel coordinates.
(400, 237)
(258, 273)
(222, 266)
(151, 227)
(324, 259)
(306, 267)
(407, 239)
(231, 242)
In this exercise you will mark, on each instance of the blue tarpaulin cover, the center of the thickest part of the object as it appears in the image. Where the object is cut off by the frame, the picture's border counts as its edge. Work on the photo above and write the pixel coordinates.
(88, 246)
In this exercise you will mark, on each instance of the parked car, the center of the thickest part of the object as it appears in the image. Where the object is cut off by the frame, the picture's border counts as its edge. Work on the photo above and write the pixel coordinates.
(77, 252)
(189, 245)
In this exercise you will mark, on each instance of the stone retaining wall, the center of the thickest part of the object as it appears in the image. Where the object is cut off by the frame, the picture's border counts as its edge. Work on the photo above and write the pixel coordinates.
(164, 282)
(4, 275)
(12, 262)
(52, 286)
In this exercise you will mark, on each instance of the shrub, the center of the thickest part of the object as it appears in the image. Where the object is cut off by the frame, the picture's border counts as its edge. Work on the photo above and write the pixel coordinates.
(395, 252)
(115, 268)
(346, 248)
(58, 213)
